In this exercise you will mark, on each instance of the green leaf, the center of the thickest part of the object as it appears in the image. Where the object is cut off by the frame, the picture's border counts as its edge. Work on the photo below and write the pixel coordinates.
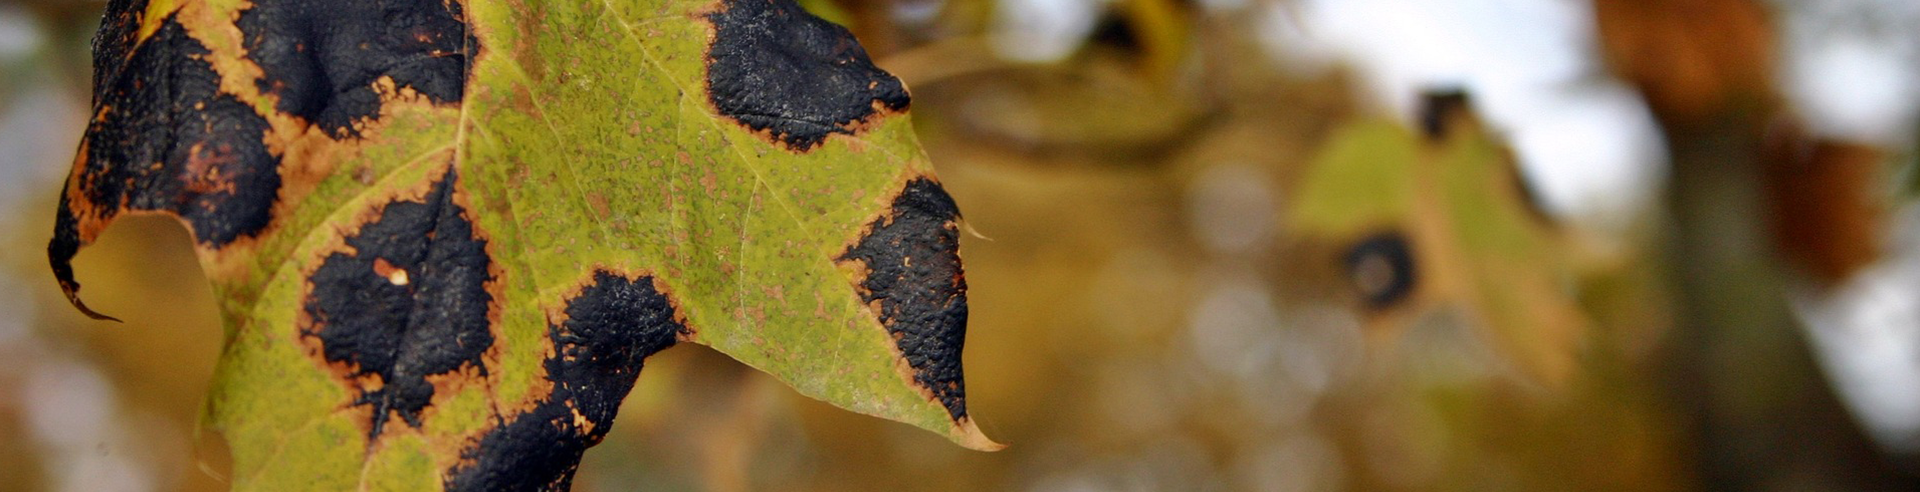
(445, 235)
(1442, 217)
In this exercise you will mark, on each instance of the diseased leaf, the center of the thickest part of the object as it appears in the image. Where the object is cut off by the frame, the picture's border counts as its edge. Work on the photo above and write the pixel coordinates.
(446, 235)
(1441, 216)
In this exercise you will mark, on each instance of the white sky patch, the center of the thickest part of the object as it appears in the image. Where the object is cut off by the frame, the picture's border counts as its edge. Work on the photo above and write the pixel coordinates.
(1851, 68)
(1867, 333)
(41, 116)
(1589, 147)
(1850, 87)
(1042, 30)
(20, 36)
(1594, 152)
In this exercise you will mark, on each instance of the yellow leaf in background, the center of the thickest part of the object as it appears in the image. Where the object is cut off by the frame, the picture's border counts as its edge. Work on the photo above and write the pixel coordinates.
(1439, 219)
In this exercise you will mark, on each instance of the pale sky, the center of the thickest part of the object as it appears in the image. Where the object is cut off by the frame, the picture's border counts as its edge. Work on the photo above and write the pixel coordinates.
(1587, 144)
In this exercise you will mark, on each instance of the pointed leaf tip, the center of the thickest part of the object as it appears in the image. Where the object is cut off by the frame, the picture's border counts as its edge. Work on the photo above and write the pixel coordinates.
(73, 296)
(968, 435)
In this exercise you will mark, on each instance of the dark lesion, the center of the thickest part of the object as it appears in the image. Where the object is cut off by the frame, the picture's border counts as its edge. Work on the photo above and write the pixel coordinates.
(321, 59)
(404, 301)
(611, 326)
(915, 283)
(119, 33)
(165, 138)
(1440, 110)
(1381, 270)
(776, 68)
(1444, 111)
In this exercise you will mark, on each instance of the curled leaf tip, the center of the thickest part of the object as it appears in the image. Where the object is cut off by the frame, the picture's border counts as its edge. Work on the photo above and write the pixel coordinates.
(72, 290)
(60, 254)
(968, 227)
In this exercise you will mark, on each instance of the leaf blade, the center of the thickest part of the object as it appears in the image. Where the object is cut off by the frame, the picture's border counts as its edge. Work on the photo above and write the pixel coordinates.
(420, 279)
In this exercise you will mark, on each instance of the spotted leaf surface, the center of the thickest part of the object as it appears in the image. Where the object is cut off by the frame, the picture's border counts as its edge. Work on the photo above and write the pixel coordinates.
(1437, 218)
(447, 234)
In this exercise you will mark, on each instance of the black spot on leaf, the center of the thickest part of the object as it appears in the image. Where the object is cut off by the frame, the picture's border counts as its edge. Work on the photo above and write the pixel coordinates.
(1443, 109)
(114, 41)
(1438, 108)
(408, 302)
(914, 276)
(611, 328)
(1381, 269)
(168, 139)
(321, 58)
(1115, 30)
(164, 138)
(776, 68)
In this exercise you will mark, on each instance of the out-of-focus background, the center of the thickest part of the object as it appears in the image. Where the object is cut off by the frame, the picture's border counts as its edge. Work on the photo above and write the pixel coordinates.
(1283, 245)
